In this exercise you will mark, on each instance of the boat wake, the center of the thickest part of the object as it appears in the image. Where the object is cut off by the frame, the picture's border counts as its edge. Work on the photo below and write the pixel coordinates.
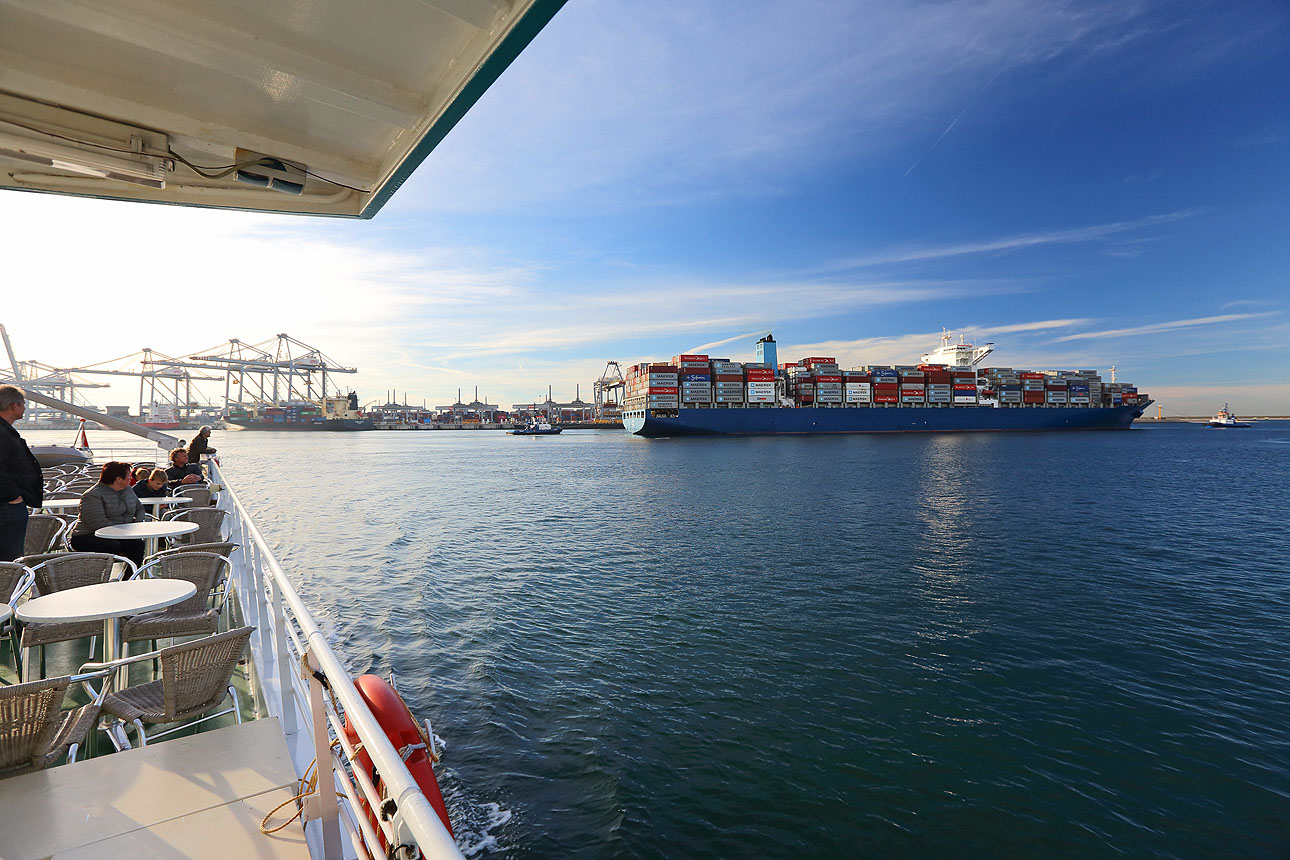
(477, 838)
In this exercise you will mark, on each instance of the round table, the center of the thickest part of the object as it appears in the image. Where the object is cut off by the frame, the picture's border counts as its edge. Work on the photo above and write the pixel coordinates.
(61, 504)
(150, 532)
(158, 501)
(108, 602)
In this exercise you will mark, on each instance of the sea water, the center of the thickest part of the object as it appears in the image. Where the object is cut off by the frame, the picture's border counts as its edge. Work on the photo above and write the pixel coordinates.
(995, 645)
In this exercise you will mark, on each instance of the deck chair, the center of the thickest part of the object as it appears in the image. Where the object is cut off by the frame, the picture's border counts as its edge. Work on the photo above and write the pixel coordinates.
(195, 678)
(224, 548)
(43, 531)
(61, 572)
(210, 525)
(34, 730)
(199, 493)
(16, 580)
(194, 617)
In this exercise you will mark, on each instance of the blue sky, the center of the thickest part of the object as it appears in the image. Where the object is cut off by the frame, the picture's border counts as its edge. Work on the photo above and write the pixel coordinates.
(1085, 184)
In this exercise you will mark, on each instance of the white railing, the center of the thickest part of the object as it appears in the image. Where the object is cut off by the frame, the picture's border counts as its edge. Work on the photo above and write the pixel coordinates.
(303, 681)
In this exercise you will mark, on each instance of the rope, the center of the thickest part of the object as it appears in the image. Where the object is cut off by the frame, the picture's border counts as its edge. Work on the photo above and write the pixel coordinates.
(406, 752)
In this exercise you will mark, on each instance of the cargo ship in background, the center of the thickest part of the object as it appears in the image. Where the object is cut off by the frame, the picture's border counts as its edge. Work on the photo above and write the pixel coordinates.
(331, 413)
(945, 393)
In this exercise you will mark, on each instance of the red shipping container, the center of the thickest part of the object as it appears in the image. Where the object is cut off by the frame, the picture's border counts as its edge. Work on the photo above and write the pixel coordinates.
(887, 387)
(760, 375)
(1032, 376)
(691, 358)
(885, 398)
(1032, 397)
(828, 379)
(727, 377)
(962, 387)
(809, 361)
(665, 390)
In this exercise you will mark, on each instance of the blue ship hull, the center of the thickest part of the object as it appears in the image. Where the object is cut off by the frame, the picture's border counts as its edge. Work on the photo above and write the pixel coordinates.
(812, 420)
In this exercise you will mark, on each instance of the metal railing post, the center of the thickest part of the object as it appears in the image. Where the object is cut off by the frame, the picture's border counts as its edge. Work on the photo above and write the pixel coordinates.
(290, 724)
(322, 804)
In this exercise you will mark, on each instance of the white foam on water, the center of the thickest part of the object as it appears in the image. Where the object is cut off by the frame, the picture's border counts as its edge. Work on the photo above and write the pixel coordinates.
(472, 843)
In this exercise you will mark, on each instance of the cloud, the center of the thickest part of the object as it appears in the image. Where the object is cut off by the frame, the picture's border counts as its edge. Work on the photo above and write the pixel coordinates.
(1008, 244)
(681, 103)
(1155, 328)
(907, 348)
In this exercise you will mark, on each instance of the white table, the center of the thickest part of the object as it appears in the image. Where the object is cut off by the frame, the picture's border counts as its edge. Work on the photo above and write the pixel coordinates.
(159, 501)
(5, 612)
(60, 504)
(149, 532)
(108, 602)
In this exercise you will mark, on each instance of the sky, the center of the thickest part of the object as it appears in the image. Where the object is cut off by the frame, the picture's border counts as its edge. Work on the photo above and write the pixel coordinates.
(1085, 184)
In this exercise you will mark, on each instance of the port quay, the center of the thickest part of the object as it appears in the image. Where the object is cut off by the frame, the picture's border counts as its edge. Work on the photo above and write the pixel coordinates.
(281, 384)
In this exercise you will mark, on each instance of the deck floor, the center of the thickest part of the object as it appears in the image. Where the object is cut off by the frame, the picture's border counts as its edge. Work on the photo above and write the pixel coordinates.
(194, 797)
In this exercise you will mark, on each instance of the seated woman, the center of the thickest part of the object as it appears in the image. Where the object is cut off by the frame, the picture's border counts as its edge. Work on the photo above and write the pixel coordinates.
(110, 502)
(152, 485)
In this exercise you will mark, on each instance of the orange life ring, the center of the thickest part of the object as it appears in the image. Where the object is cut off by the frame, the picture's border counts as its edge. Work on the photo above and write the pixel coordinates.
(392, 714)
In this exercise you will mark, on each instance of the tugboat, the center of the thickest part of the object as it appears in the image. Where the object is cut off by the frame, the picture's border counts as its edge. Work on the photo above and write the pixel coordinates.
(536, 428)
(1225, 418)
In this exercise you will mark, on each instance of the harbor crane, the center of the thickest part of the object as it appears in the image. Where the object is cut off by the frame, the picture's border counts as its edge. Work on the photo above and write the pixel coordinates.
(608, 392)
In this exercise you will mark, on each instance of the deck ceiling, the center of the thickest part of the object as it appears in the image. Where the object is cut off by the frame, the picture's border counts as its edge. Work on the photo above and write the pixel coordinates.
(112, 98)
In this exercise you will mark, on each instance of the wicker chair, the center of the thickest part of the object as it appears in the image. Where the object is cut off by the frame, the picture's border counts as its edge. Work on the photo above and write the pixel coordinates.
(16, 580)
(199, 493)
(61, 572)
(194, 617)
(195, 678)
(34, 730)
(43, 530)
(224, 548)
(210, 525)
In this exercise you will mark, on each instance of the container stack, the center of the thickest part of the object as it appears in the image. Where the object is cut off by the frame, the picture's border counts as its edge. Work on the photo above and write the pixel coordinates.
(1055, 391)
(886, 386)
(940, 388)
(857, 388)
(1032, 389)
(696, 379)
(760, 381)
(653, 386)
(727, 383)
(913, 385)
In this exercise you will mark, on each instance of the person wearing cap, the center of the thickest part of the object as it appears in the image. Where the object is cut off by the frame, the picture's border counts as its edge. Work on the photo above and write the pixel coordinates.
(200, 445)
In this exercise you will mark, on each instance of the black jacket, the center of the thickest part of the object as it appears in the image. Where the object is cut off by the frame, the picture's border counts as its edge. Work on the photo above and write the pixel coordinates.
(175, 474)
(197, 447)
(19, 471)
(143, 491)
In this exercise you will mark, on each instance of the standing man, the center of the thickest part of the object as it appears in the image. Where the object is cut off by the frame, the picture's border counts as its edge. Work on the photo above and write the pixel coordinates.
(200, 445)
(21, 484)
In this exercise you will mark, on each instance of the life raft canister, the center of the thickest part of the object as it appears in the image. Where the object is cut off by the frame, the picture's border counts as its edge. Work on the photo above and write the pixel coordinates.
(392, 714)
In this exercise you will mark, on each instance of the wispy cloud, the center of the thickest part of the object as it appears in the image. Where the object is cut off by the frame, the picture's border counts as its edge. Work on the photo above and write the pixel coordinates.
(1155, 328)
(1008, 244)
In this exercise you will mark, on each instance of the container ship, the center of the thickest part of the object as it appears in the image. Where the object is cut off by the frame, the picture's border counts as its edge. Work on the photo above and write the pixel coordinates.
(946, 392)
(331, 413)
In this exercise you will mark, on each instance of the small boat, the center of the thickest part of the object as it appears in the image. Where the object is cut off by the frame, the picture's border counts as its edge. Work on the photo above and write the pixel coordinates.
(1225, 418)
(58, 455)
(537, 429)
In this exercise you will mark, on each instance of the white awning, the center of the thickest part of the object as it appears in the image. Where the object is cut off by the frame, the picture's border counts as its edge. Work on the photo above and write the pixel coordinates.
(308, 106)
